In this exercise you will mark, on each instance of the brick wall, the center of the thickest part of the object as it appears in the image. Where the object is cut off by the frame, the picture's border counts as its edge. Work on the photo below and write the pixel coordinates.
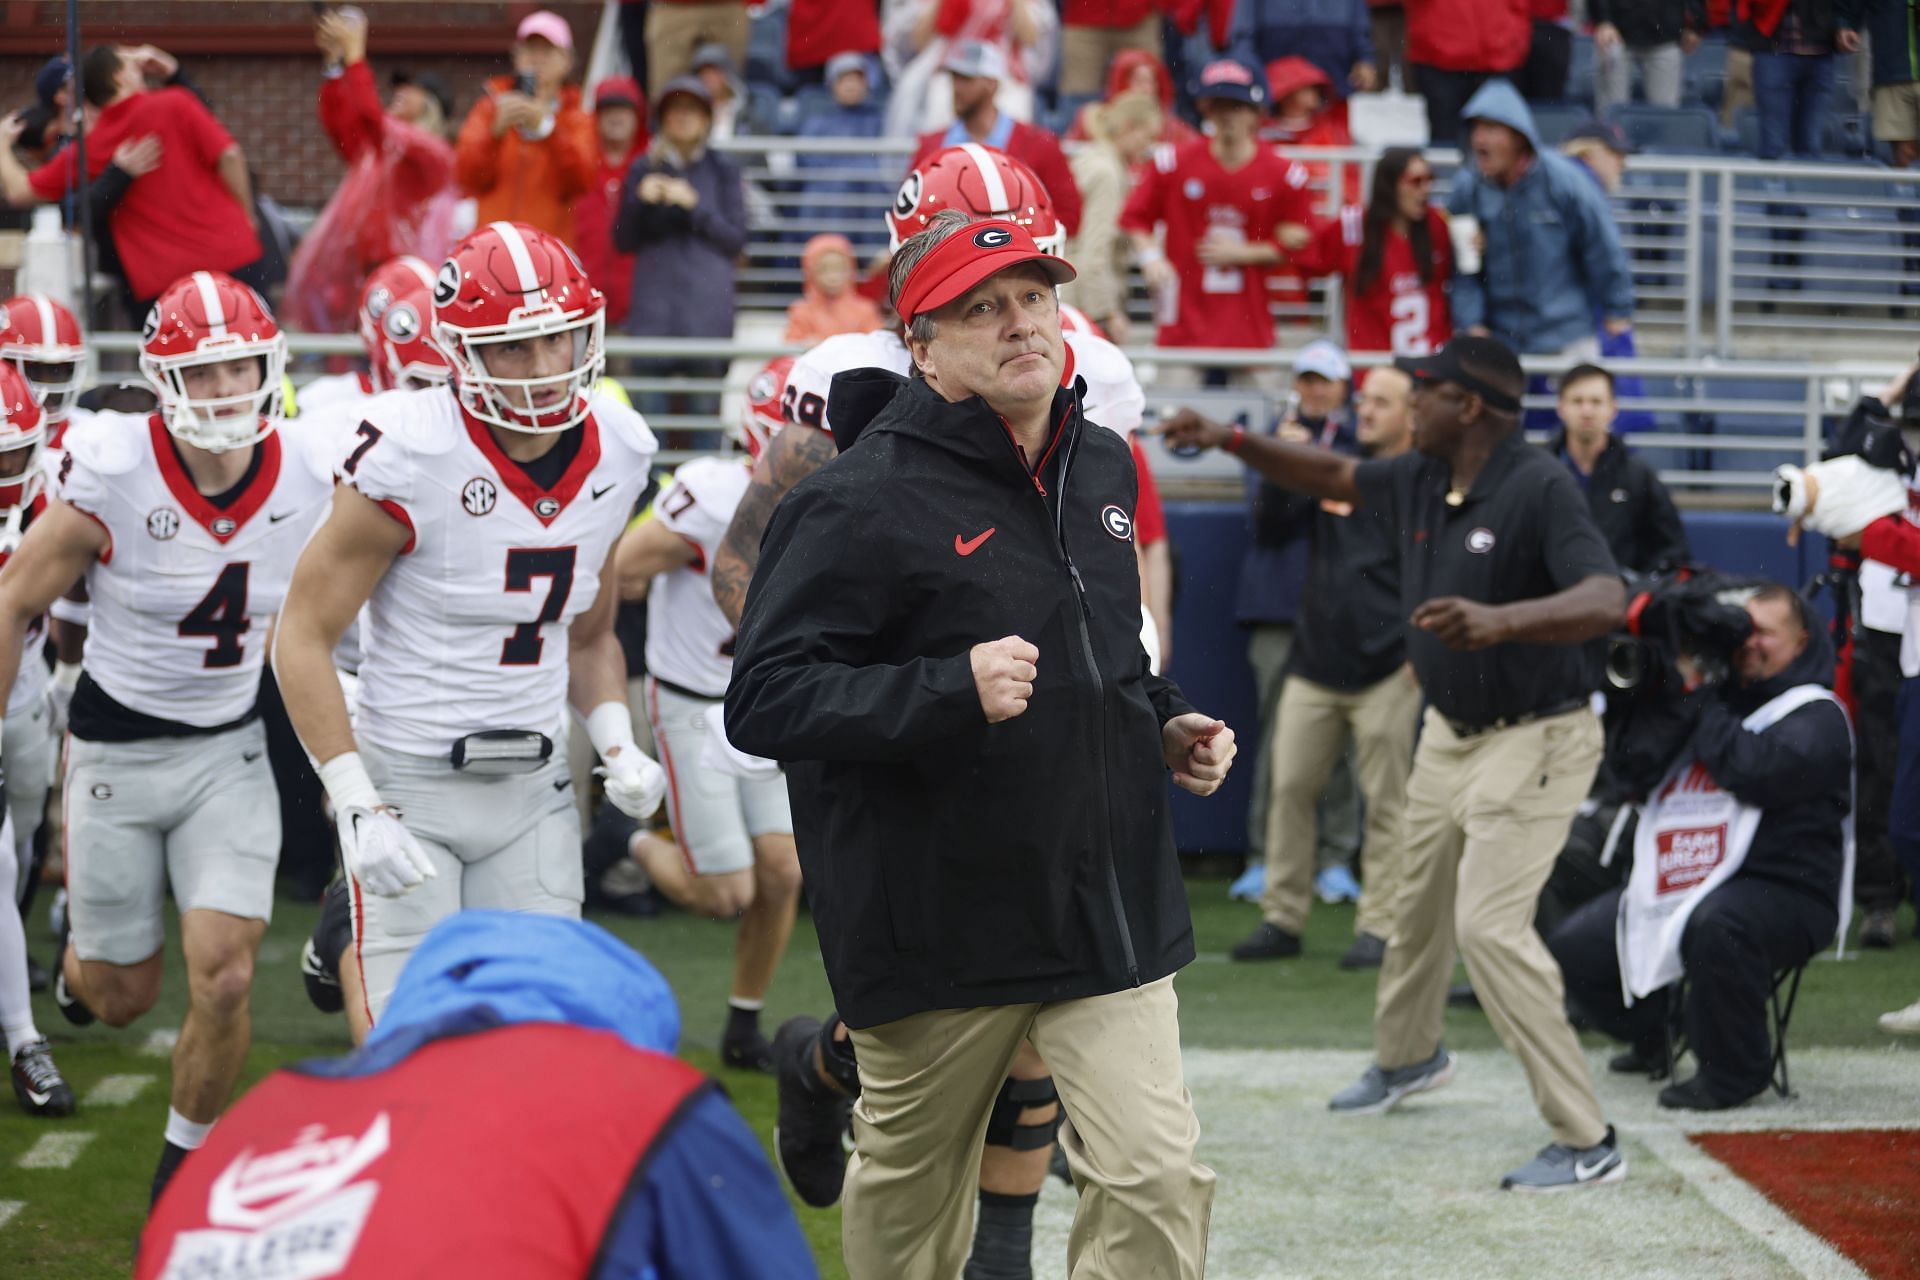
(255, 61)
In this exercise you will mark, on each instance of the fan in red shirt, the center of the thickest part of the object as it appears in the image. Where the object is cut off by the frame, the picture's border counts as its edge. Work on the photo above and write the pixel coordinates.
(1396, 257)
(192, 213)
(620, 123)
(1223, 202)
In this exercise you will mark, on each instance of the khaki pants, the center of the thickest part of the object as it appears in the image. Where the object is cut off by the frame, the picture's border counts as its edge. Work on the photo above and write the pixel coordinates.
(675, 30)
(1086, 52)
(1736, 92)
(1315, 724)
(1338, 800)
(927, 1083)
(1485, 819)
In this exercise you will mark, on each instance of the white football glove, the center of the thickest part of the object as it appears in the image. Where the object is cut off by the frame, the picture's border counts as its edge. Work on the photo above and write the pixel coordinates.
(66, 675)
(635, 784)
(1839, 497)
(380, 853)
(720, 755)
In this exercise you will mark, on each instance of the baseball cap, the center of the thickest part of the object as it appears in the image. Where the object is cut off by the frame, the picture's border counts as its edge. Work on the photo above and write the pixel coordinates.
(713, 54)
(841, 63)
(967, 257)
(430, 83)
(692, 86)
(1605, 132)
(547, 25)
(1232, 81)
(618, 91)
(978, 58)
(1449, 364)
(47, 81)
(1325, 359)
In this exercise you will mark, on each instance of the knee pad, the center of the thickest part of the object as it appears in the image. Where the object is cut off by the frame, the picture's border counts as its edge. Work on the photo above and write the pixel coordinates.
(1004, 1128)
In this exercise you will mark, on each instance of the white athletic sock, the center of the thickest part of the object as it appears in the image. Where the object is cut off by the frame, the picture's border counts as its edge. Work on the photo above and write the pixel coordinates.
(745, 1005)
(16, 1002)
(184, 1133)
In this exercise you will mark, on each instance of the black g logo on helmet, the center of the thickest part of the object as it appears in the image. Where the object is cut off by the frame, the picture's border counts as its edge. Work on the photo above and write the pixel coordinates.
(151, 325)
(402, 323)
(993, 238)
(909, 197)
(446, 285)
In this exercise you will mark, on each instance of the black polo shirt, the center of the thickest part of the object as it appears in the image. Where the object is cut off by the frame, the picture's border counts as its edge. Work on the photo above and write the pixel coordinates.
(1521, 533)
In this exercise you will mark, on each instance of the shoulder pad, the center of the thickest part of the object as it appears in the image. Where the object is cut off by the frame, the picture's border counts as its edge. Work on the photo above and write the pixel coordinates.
(108, 443)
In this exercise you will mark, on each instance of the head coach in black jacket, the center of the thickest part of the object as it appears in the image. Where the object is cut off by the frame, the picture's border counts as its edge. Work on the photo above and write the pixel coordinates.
(941, 643)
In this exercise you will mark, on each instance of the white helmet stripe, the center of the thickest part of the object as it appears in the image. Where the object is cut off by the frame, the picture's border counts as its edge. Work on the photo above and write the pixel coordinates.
(43, 308)
(517, 250)
(210, 299)
(997, 199)
(420, 269)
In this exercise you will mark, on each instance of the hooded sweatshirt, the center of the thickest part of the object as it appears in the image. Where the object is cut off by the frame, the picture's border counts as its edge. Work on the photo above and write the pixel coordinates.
(1553, 255)
(1798, 772)
(1173, 130)
(816, 316)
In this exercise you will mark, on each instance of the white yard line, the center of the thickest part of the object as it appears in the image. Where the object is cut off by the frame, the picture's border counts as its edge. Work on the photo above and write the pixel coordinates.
(8, 1208)
(55, 1151)
(116, 1091)
(159, 1044)
(1758, 1216)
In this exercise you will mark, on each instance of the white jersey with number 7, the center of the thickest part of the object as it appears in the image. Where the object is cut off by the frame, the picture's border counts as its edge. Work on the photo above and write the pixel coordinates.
(468, 629)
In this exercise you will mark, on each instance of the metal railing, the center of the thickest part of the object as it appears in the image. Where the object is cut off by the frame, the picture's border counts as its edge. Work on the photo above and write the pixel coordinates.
(1731, 257)
(1718, 428)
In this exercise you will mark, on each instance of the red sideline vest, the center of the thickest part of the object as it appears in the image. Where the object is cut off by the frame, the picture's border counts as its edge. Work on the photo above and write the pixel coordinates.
(447, 1164)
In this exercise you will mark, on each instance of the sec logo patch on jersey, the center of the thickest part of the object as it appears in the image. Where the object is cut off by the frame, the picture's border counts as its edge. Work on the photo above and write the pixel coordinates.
(163, 523)
(479, 496)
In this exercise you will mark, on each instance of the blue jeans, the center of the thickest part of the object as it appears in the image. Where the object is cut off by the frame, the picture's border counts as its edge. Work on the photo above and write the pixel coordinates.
(1903, 814)
(1791, 91)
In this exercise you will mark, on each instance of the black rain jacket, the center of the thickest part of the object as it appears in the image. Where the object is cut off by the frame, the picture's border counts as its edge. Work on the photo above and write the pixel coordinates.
(1635, 512)
(951, 863)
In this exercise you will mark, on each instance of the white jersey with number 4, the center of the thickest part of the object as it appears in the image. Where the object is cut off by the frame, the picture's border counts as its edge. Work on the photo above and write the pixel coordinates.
(468, 629)
(185, 591)
(689, 641)
(1114, 398)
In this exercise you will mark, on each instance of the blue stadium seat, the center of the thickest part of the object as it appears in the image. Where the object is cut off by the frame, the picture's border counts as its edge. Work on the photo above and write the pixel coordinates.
(1674, 130)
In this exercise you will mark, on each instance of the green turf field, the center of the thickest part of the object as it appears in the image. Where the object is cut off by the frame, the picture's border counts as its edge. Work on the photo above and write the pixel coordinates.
(1266, 1043)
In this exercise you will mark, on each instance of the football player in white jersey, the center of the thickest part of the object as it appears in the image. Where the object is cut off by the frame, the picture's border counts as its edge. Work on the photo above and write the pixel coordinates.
(735, 853)
(37, 1082)
(818, 1076)
(41, 338)
(474, 523)
(185, 525)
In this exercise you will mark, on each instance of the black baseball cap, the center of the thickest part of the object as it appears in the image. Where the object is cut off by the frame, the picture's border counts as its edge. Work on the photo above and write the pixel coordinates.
(1474, 363)
(1606, 133)
(427, 82)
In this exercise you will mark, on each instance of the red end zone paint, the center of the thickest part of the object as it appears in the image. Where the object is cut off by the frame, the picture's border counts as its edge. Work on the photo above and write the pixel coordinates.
(1858, 1190)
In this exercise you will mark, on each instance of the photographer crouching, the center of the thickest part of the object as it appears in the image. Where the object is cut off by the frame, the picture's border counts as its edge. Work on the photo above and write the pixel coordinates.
(1738, 863)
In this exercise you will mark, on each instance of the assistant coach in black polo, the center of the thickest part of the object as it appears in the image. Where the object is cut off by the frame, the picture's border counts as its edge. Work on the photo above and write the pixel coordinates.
(1503, 576)
(941, 643)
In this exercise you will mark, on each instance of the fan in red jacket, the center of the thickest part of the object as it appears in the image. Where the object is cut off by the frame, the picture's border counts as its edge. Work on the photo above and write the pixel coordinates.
(977, 119)
(1395, 259)
(620, 122)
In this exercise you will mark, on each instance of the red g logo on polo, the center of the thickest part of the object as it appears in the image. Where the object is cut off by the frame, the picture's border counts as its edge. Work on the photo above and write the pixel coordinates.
(1117, 522)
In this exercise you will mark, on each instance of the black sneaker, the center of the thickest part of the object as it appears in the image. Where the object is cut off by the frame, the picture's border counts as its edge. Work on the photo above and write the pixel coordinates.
(1268, 942)
(749, 1052)
(1697, 1095)
(1368, 951)
(1879, 930)
(808, 1131)
(320, 957)
(42, 1090)
(1639, 1062)
(1461, 995)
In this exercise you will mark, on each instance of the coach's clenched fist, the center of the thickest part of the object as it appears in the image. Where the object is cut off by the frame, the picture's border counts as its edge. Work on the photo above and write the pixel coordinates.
(1003, 672)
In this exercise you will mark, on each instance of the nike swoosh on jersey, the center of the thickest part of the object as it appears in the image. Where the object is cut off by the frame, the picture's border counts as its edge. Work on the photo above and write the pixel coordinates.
(967, 546)
(249, 756)
(602, 492)
(277, 519)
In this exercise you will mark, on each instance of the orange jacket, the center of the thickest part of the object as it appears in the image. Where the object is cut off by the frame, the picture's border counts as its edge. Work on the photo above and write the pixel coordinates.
(520, 181)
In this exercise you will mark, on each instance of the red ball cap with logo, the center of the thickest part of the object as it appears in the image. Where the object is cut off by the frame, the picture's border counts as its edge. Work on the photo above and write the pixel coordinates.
(969, 256)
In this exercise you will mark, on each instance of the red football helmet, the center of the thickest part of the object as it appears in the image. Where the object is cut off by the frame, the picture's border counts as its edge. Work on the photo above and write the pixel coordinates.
(760, 418)
(503, 285)
(395, 305)
(210, 319)
(978, 180)
(40, 337)
(23, 433)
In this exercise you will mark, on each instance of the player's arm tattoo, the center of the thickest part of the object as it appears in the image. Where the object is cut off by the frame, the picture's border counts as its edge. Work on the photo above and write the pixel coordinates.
(793, 455)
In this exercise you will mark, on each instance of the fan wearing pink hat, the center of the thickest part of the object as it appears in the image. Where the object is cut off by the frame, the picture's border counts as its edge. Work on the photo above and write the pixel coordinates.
(527, 149)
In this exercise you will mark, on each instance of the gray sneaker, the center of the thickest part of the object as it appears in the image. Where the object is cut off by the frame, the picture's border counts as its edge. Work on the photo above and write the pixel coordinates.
(1380, 1091)
(1562, 1168)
